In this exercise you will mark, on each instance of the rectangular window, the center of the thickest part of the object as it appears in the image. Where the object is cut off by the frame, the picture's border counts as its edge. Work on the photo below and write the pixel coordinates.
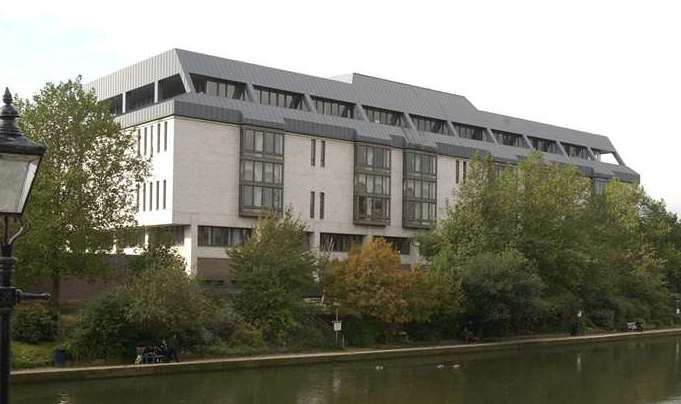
(465, 166)
(165, 136)
(544, 145)
(170, 87)
(219, 88)
(470, 132)
(510, 139)
(432, 125)
(151, 140)
(164, 194)
(312, 205)
(385, 117)
(313, 151)
(144, 196)
(115, 104)
(278, 98)
(261, 172)
(139, 142)
(166, 235)
(321, 205)
(145, 141)
(577, 151)
(213, 236)
(372, 185)
(137, 198)
(332, 107)
(139, 97)
(458, 166)
(323, 156)
(400, 244)
(157, 194)
(151, 195)
(158, 137)
(419, 196)
(336, 242)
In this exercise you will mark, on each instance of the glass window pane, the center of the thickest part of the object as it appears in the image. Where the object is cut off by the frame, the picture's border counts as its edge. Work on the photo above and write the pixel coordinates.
(257, 171)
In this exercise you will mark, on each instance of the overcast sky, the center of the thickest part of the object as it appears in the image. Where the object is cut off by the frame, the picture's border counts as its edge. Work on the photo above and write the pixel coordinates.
(607, 67)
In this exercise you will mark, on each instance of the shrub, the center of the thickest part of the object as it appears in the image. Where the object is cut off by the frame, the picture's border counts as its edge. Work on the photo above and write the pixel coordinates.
(362, 332)
(103, 330)
(502, 293)
(34, 323)
(167, 304)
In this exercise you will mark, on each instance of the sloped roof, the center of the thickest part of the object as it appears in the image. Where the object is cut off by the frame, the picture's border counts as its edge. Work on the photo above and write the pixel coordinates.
(363, 90)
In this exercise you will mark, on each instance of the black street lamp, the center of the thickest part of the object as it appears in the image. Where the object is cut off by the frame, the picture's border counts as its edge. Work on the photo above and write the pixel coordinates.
(19, 161)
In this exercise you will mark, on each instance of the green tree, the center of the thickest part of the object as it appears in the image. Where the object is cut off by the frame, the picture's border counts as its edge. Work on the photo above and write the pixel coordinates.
(84, 192)
(615, 255)
(274, 270)
(165, 301)
(502, 293)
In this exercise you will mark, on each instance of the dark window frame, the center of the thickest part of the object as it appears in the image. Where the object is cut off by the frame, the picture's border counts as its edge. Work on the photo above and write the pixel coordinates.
(384, 116)
(371, 202)
(431, 125)
(222, 236)
(275, 97)
(339, 242)
(326, 106)
(261, 172)
(471, 132)
(234, 90)
(419, 189)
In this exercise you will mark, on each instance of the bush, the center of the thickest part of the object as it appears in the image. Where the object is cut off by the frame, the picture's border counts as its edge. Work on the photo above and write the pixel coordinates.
(103, 330)
(362, 332)
(34, 323)
(168, 305)
(502, 293)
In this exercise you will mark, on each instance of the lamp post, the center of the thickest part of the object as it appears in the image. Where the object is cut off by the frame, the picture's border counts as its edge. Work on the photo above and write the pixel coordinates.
(19, 161)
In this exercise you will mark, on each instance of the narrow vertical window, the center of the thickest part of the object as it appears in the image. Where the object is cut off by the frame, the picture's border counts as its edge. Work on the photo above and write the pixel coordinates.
(151, 195)
(458, 163)
(139, 142)
(157, 192)
(165, 136)
(321, 205)
(145, 141)
(313, 151)
(144, 196)
(137, 198)
(312, 204)
(158, 138)
(323, 156)
(164, 194)
(151, 140)
(464, 172)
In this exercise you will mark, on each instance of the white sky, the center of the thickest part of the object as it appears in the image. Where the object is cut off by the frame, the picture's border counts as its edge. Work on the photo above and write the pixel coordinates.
(608, 67)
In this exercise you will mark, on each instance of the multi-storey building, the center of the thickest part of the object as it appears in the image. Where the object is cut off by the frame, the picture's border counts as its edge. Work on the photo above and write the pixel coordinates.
(353, 157)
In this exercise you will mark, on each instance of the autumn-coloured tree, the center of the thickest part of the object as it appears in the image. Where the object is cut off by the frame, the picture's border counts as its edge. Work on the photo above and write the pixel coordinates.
(372, 283)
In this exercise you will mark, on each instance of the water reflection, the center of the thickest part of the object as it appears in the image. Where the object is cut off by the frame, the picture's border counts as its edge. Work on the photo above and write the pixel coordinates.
(644, 371)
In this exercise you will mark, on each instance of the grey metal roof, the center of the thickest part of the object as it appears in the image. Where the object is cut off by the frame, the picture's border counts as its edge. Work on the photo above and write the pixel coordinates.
(363, 90)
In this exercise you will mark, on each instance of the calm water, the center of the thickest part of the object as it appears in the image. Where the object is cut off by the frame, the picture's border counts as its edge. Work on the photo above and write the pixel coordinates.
(643, 371)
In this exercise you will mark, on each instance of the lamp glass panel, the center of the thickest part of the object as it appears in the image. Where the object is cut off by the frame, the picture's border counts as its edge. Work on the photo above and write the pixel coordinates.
(17, 172)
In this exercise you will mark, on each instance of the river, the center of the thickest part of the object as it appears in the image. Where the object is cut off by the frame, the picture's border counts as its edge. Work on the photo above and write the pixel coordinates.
(641, 370)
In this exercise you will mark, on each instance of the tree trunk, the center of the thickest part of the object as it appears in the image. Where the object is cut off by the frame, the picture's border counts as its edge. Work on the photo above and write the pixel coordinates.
(56, 291)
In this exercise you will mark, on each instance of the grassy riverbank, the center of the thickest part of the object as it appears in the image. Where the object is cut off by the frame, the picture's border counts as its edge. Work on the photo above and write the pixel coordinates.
(39, 357)
(204, 365)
